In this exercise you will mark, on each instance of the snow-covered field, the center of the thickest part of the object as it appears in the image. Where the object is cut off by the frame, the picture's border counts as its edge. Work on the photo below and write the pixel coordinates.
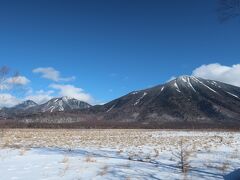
(117, 154)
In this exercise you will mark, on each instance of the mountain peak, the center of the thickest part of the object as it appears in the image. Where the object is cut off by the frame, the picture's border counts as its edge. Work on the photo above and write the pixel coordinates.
(63, 98)
(186, 78)
(183, 79)
(62, 104)
(26, 104)
(66, 98)
(29, 102)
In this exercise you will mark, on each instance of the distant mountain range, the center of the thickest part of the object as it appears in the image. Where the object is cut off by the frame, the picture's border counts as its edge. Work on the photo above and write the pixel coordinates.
(54, 105)
(184, 102)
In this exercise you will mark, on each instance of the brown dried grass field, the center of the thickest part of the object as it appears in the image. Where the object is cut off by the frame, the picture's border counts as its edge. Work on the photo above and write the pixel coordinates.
(113, 138)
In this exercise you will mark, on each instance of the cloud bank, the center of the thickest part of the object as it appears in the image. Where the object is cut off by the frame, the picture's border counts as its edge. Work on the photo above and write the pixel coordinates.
(218, 72)
(40, 96)
(18, 80)
(72, 91)
(8, 100)
(10, 82)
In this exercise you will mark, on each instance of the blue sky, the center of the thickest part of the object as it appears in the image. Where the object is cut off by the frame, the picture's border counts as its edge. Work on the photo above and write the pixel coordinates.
(108, 48)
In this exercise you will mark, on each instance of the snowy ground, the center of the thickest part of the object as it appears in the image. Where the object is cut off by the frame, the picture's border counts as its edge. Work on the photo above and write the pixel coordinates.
(117, 154)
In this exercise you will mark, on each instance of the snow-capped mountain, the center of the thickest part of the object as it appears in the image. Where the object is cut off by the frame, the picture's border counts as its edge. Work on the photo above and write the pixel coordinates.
(26, 105)
(62, 104)
(186, 100)
(18, 109)
(56, 104)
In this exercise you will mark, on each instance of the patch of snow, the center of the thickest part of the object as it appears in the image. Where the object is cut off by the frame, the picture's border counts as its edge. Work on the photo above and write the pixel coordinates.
(162, 89)
(51, 109)
(197, 80)
(66, 98)
(184, 78)
(111, 108)
(190, 84)
(136, 92)
(233, 95)
(177, 88)
(138, 101)
(61, 108)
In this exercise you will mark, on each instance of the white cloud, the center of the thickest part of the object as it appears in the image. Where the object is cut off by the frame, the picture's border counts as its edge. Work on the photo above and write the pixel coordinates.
(4, 86)
(48, 73)
(52, 74)
(18, 80)
(216, 71)
(72, 91)
(8, 100)
(40, 96)
(10, 82)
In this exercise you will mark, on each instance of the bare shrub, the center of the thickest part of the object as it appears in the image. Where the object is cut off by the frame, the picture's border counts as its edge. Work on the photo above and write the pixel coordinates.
(103, 171)
(224, 167)
(65, 162)
(90, 159)
(1, 133)
(182, 156)
(22, 151)
(156, 153)
(228, 9)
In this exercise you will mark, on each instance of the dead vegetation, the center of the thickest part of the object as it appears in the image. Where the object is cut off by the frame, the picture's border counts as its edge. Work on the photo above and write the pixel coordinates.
(1, 133)
(121, 139)
(103, 171)
(90, 159)
(65, 162)
(182, 156)
(22, 151)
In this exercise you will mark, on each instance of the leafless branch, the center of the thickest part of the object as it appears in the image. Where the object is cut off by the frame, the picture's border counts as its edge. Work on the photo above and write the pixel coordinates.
(228, 9)
(4, 71)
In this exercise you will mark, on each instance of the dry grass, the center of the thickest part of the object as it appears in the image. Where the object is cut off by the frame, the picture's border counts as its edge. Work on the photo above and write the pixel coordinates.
(90, 159)
(65, 162)
(105, 138)
(224, 166)
(221, 167)
(22, 151)
(103, 171)
(156, 153)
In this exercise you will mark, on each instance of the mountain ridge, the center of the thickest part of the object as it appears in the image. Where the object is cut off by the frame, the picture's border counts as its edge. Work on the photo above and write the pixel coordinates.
(53, 105)
(186, 100)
